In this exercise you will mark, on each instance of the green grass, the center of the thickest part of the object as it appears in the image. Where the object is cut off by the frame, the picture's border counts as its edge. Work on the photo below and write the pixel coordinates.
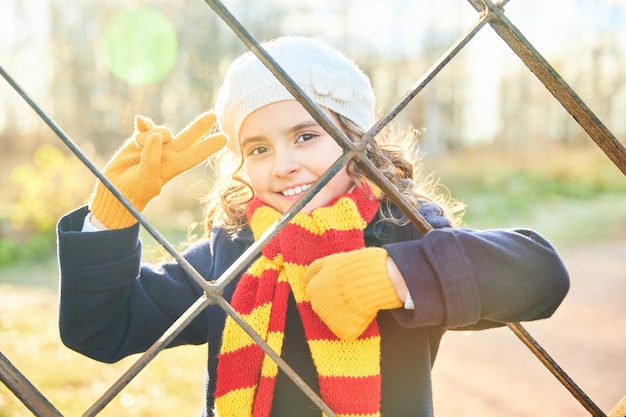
(569, 195)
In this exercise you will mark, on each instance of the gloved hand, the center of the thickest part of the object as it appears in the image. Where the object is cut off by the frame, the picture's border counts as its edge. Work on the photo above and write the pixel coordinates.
(348, 289)
(148, 160)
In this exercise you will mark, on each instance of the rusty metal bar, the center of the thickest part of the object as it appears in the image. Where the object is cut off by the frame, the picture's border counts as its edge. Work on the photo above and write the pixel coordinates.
(85, 160)
(517, 328)
(428, 76)
(178, 326)
(555, 369)
(380, 180)
(589, 122)
(281, 363)
(23, 389)
(166, 338)
(568, 98)
(254, 46)
(256, 247)
(213, 290)
(354, 149)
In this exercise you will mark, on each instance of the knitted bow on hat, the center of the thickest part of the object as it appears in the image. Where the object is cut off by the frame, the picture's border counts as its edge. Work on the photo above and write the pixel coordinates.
(147, 161)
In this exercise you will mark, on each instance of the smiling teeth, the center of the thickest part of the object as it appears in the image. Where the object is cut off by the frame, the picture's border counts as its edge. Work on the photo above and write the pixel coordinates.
(296, 190)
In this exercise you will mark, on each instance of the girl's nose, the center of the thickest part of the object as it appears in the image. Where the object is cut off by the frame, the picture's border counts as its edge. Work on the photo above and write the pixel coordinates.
(286, 163)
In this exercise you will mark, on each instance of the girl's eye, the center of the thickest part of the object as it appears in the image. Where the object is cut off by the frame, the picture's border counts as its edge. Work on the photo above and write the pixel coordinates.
(257, 150)
(305, 136)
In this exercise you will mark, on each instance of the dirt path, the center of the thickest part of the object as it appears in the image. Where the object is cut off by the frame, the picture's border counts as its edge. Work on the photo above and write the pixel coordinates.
(492, 373)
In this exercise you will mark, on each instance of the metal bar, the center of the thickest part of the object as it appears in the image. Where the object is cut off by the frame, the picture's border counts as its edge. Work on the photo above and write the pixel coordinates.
(215, 297)
(596, 130)
(573, 104)
(325, 122)
(555, 369)
(166, 338)
(338, 135)
(279, 361)
(185, 318)
(212, 291)
(413, 215)
(354, 151)
(254, 46)
(273, 230)
(428, 76)
(23, 389)
(187, 267)
(568, 98)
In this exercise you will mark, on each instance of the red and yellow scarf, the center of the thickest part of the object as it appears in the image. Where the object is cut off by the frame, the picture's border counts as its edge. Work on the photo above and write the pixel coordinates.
(348, 371)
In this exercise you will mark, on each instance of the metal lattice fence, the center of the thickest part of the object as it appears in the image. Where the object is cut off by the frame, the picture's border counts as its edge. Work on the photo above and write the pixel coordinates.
(489, 14)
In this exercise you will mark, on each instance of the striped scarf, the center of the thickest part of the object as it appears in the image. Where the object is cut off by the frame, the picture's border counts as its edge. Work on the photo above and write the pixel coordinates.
(348, 371)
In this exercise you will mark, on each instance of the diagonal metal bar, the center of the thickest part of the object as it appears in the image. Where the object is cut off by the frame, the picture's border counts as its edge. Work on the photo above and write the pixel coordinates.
(517, 328)
(328, 125)
(253, 45)
(187, 267)
(186, 318)
(413, 215)
(361, 159)
(281, 363)
(166, 338)
(212, 291)
(274, 229)
(555, 369)
(178, 326)
(23, 389)
(572, 103)
(542, 69)
(430, 74)
(353, 149)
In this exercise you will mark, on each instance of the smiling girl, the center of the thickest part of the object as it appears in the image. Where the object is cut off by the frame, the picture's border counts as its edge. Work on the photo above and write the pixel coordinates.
(351, 295)
(283, 158)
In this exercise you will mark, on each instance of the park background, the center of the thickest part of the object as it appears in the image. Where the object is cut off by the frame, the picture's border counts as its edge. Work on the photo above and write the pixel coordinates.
(491, 133)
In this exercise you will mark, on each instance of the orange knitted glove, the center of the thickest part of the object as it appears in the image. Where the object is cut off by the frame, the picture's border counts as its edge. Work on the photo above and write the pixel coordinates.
(148, 160)
(347, 290)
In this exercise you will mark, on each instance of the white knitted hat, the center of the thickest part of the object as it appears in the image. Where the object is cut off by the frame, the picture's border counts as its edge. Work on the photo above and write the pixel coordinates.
(328, 77)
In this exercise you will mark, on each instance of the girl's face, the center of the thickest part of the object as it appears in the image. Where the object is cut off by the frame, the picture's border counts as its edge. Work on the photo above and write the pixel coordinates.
(285, 151)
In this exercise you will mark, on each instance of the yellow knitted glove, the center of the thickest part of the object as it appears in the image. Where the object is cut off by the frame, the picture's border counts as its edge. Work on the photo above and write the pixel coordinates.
(148, 160)
(348, 289)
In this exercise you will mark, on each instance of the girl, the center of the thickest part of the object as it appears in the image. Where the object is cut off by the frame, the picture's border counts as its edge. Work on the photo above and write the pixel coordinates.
(349, 293)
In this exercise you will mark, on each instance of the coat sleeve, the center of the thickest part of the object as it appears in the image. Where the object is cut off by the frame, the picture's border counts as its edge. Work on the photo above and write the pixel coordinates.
(471, 279)
(110, 304)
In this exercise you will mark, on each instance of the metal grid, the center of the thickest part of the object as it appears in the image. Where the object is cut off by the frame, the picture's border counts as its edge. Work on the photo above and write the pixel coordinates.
(489, 13)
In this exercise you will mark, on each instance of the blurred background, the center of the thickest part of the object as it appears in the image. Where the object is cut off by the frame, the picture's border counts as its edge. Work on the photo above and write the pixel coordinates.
(491, 133)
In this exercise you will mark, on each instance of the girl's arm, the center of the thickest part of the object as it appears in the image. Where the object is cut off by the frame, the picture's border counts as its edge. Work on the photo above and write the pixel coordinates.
(110, 304)
(462, 278)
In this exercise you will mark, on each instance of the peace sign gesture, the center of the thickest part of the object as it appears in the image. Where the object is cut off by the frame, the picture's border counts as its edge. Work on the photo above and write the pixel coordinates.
(147, 161)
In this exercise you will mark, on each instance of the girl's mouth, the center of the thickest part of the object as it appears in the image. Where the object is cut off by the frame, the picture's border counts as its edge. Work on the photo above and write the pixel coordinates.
(289, 192)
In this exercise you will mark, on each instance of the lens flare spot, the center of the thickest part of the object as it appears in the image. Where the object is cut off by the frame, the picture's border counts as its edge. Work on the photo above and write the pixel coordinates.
(139, 45)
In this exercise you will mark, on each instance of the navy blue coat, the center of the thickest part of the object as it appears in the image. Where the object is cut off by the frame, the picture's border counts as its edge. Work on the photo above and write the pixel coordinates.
(112, 305)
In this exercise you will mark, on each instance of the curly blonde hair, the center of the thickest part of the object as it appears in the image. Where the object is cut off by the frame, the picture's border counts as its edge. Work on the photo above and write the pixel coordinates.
(394, 152)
